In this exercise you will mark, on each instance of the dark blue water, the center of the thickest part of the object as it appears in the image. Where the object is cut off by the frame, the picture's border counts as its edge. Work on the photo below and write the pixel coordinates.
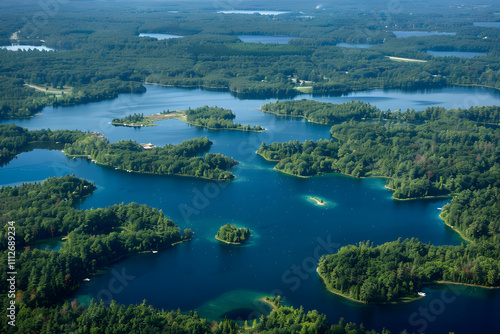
(404, 34)
(265, 39)
(289, 231)
(460, 54)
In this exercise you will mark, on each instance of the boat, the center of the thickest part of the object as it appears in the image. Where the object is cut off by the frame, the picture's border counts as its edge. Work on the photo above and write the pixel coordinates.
(421, 294)
(440, 208)
(86, 279)
(154, 252)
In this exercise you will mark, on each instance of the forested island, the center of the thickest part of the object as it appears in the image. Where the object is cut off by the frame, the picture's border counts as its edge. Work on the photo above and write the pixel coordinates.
(216, 118)
(127, 155)
(135, 120)
(94, 239)
(230, 234)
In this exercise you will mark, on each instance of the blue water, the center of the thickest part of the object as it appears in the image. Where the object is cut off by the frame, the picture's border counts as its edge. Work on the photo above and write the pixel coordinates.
(487, 24)
(460, 54)
(250, 12)
(160, 36)
(26, 48)
(265, 39)
(354, 45)
(289, 231)
(404, 34)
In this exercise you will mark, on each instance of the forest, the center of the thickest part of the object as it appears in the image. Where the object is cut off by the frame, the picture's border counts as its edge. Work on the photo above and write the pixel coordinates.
(444, 152)
(396, 271)
(99, 57)
(94, 239)
(128, 155)
(231, 234)
(216, 118)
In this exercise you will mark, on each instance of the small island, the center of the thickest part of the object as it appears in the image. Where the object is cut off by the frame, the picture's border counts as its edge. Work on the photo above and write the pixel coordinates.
(318, 200)
(232, 235)
(213, 118)
(139, 120)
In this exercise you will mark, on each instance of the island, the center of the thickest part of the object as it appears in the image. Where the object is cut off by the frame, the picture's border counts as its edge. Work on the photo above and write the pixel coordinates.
(230, 234)
(213, 118)
(135, 120)
(317, 200)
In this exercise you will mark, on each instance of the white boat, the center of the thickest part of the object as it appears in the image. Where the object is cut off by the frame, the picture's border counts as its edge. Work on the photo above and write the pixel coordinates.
(440, 208)
(421, 294)
(154, 252)
(86, 279)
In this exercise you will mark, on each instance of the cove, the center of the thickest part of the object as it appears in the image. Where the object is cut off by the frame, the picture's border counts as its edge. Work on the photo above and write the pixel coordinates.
(289, 232)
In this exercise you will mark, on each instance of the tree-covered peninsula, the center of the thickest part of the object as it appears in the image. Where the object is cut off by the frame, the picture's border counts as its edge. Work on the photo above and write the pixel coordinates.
(181, 159)
(396, 271)
(231, 234)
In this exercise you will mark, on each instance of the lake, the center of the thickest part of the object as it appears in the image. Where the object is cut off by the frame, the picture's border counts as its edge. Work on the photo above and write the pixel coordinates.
(288, 230)
(265, 39)
(354, 45)
(487, 24)
(26, 48)
(249, 12)
(460, 54)
(404, 34)
(160, 36)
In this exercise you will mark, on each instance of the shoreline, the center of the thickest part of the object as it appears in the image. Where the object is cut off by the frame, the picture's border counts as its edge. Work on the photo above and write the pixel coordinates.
(227, 242)
(454, 229)
(366, 303)
(318, 201)
(468, 284)
(263, 299)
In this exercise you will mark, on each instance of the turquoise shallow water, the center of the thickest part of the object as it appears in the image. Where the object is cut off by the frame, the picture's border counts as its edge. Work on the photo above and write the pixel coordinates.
(290, 231)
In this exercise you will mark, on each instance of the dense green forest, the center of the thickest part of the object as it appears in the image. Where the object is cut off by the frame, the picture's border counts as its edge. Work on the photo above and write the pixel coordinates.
(100, 56)
(179, 159)
(232, 234)
(444, 152)
(216, 118)
(171, 159)
(397, 270)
